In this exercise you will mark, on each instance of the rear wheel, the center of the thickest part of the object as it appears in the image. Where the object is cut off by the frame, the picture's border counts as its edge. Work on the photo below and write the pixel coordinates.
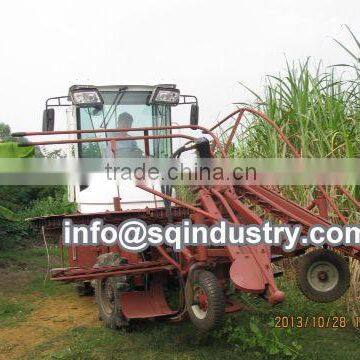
(205, 300)
(323, 275)
(108, 302)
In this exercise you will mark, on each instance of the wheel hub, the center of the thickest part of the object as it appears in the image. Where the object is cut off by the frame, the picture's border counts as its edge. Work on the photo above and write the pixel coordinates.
(323, 276)
(200, 302)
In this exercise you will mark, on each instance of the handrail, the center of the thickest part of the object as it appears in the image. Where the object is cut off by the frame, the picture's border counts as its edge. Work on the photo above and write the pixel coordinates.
(224, 150)
(93, 131)
(87, 140)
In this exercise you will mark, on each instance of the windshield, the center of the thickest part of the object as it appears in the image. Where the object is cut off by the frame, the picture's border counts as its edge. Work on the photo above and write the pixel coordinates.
(125, 109)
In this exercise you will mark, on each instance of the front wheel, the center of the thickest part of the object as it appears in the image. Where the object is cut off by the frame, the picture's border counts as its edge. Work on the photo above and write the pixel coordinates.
(108, 301)
(323, 275)
(204, 300)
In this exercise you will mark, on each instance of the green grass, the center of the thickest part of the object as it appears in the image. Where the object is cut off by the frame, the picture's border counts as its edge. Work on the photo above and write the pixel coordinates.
(13, 312)
(23, 283)
(34, 257)
(180, 341)
(318, 111)
(25, 272)
(45, 288)
(152, 341)
(315, 109)
(157, 340)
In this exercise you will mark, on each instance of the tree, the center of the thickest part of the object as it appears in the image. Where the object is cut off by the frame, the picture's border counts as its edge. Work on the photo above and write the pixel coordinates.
(5, 132)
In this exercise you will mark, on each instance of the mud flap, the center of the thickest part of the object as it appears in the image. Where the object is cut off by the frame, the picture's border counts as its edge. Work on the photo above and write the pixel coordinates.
(146, 304)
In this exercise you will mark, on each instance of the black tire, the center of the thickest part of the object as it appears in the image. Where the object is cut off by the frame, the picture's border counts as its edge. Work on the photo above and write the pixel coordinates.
(107, 298)
(206, 283)
(84, 288)
(323, 275)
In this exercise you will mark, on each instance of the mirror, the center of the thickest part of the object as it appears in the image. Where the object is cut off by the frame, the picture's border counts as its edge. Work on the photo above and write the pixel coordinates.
(194, 114)
(48, 120)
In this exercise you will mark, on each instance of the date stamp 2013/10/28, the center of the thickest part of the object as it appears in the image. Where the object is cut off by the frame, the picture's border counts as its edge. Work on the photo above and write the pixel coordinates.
(319, 322)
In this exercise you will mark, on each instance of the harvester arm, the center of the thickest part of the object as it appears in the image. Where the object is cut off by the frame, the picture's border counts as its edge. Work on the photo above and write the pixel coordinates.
(250, 270)
(251, 265)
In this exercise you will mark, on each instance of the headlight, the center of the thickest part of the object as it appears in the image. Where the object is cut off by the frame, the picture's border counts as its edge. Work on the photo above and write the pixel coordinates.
(85, 97)
(165, 96)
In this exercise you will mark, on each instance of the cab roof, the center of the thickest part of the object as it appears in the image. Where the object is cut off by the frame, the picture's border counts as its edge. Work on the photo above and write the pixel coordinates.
(128, 87)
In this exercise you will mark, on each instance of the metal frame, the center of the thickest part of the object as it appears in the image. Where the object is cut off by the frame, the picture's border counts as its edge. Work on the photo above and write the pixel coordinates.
(58, 100)
(248, 267)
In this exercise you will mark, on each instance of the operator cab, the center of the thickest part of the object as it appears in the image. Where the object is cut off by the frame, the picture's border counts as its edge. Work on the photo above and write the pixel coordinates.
(126, 107)
(119, 107)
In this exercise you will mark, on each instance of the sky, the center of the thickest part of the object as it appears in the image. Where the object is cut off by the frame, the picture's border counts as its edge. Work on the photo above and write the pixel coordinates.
(205, 47)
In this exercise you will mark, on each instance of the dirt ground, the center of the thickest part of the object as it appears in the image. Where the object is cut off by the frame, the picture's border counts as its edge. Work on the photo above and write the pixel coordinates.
(48, 320)
(52, 316)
